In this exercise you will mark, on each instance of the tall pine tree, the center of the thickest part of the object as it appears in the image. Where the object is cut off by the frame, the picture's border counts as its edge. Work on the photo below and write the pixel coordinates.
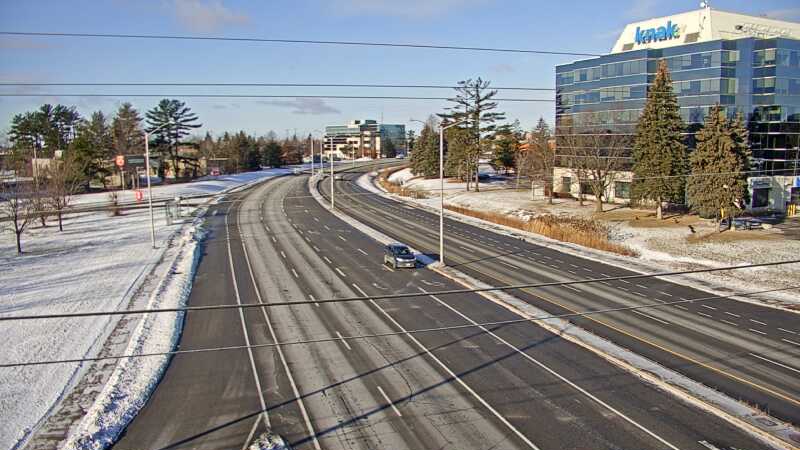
(425, 158)
(718, 185)
(659, 152)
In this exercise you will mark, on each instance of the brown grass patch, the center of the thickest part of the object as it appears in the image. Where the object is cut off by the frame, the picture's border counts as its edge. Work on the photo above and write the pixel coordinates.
(383, 180)
(734, 236)
(585, 232)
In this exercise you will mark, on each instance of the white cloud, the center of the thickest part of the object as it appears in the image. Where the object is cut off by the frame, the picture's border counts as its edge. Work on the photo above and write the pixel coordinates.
(204, 16)
(312, 106)
(407, 8)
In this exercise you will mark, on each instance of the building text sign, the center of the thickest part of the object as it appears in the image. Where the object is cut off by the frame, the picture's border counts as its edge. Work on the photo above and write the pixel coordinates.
(648, 35)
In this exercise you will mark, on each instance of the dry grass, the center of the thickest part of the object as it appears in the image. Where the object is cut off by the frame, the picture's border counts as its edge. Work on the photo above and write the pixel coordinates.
(383, 180)
(585, 232)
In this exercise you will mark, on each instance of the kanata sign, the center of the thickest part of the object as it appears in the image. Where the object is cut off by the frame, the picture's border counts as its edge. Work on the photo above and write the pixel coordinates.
(646, 36)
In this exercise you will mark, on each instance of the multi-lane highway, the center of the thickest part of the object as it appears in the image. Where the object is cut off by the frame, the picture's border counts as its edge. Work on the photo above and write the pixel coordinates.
(515, 386)
(747, 351)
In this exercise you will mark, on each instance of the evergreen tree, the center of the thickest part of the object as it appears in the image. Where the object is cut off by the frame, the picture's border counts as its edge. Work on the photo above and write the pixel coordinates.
(659, 152)
(505, 146)
(126, 131)
(425, 159)
(98, 132)
(718, 185)
(458, 144)
(173, 119)
(272, 154)
(411, 138)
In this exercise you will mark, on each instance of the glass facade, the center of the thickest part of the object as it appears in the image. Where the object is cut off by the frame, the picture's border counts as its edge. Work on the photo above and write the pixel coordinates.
(366, 135)
(759, 78)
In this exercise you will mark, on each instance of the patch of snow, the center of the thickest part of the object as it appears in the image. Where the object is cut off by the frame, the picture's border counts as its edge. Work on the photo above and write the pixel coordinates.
(269, 442)
(97, 263)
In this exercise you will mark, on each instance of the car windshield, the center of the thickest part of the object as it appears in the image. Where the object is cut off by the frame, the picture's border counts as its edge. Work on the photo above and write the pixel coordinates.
(402, 251)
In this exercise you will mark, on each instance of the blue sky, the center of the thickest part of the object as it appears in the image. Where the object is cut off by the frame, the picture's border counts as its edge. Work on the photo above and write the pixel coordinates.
(576, 26)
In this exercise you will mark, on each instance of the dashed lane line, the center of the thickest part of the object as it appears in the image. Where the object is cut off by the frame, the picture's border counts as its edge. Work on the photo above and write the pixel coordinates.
(775, 362)
(756, 331)
(732, 314)
(391, 403)
(344, 341)
(362, 251)
(729, 322)
(758, 322)
(294, 272)
(705, 315)
(651, 317)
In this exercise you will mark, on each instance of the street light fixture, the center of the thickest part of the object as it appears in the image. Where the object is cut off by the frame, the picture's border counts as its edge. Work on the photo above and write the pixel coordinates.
(441, 183)
(149, 187)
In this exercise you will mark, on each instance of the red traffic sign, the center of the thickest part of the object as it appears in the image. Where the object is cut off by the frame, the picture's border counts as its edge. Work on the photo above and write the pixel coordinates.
(139, 195)
(120, 160)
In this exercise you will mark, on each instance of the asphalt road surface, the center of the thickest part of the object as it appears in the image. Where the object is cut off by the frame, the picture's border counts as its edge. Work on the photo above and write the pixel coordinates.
(748, 351)
(469, 388)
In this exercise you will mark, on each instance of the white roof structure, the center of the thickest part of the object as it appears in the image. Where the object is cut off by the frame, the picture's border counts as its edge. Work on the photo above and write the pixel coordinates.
(702, 25)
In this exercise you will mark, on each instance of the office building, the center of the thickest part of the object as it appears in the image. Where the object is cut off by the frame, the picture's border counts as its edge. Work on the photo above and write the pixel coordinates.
(365, 138)
(747, 64)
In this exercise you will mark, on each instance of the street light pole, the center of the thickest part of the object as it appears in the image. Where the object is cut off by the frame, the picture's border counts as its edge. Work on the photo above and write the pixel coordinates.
(331, 157)
(311, 140)
(441, 184)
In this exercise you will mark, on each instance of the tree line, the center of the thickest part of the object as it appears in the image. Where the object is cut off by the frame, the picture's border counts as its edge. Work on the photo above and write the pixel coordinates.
(711, 180)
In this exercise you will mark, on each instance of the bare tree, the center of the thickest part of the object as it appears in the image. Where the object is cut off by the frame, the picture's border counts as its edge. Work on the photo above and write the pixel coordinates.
(595, 158)
(540, 159)
(63, 179)
(16, 208)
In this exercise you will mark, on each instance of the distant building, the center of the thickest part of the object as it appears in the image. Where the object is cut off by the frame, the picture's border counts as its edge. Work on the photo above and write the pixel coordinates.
(367, 138)
(747, 64)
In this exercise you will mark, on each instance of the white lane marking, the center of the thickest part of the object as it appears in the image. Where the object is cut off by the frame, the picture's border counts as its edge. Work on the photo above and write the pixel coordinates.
(327, 228)
(250, 435)
(311, 297)
(508, 265)
(391, 403)
(273, 239)
(756, 331)
(244, 325)
(316, 220)
(624, 281)
(787, 331)
(340, 272)
(307, 239)
(316, 249)
(556, 374)
(682, 307)
(572, 272)
(573, 265)
(651, 317)
(705, 315)
(362, 251)
(620, 288)
(572, 288)
(640, 294)
(776, 363)
(343, 239)
(388, 268)
(294, 272)
(709, 307)
(450, 372)
(791, 342)
(729, 322)
(756, 321)
(665, 293)
(641, 286)
(283, 254)
(732, 314)
(268, 228)
(295, 391)
(327, 260)
(343, 340)
(465, 249)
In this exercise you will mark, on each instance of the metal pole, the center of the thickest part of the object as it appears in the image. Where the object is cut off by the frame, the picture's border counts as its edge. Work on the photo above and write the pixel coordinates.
(149, 188)
(312, 155)
(331, 157)
(441, 195)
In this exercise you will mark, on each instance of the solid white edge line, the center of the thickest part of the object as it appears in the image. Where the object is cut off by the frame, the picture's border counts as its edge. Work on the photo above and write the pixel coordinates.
(344, 341)
(776, 363)
(651, 317)
(244, 325)
(450, 372)
(558, 375)
(250, 436)
(390, 402)
(279, 348)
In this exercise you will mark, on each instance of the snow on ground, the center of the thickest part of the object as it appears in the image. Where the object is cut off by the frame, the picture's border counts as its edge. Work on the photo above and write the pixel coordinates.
(97, 263)
(680, 243)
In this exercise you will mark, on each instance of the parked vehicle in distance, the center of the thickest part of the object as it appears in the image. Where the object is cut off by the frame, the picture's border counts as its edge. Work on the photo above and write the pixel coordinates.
(297, 171)
(399, 255)
(338, 177)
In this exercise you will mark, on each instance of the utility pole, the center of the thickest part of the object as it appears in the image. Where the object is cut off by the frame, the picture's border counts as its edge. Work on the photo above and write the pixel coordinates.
(331, 157)
(149, 187)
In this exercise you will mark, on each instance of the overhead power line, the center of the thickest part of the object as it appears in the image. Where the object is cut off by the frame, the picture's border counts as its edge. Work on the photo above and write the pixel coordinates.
(334, 85)
(387, 296)
(293, 41)
(393, 333)
(256, 96)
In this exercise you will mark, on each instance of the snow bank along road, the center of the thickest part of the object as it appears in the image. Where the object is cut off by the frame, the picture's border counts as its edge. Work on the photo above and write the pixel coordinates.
(507, 387)
(748, 351)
